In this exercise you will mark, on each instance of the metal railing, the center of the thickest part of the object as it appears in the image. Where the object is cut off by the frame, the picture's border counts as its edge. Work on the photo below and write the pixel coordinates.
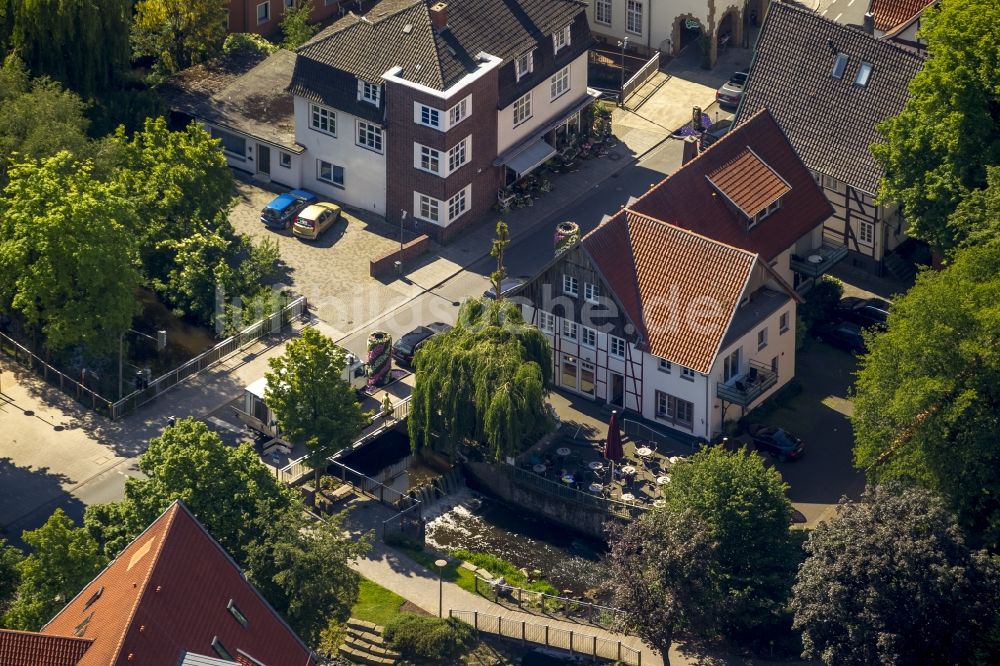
(271, 325)
(742, 391)
(643, 433)
(553, 637)
(532, 601)
(651, 67)
(625, 510)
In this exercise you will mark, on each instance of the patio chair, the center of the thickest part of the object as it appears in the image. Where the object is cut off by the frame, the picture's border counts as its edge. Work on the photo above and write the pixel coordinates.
(752, 376)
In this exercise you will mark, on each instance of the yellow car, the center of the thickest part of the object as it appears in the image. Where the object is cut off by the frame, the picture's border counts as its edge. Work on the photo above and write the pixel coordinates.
(315, 219)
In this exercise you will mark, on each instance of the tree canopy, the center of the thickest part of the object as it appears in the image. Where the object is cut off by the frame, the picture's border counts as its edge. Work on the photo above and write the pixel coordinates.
(662, 571)
(891, 580)
(228, 489)
(64, 558)
(743, 503)
(10, 558)
(976, 219)
(926, 394)
(178, 33)
(483, 381)
(938, 147)
(295, 24)
(66, 257)
(313, 403)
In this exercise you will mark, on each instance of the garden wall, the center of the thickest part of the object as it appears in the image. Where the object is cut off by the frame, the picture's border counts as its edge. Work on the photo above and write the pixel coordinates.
(383, 265)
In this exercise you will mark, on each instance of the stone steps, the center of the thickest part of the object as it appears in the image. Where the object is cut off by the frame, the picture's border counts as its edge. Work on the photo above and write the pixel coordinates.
(899, 268)
(365, 644)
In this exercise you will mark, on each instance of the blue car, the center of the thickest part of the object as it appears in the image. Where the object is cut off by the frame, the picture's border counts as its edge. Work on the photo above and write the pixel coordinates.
(282, 210)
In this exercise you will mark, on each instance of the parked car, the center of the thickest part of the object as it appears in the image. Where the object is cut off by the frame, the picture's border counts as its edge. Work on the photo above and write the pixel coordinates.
(315, 219)
(844, 334)
(777, 442)
(507, 285)
(406, 347)
(731, 92)
(865, 312)
(283, 208)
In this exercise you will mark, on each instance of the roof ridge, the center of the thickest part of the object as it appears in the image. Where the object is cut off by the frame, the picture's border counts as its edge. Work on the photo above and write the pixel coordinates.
(38, 634)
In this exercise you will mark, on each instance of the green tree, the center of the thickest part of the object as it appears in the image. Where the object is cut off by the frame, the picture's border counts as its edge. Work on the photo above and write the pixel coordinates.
(65, 253)
(178, 33)
(926, 394)
(313, 403)
(891, 580)
(296, 26)
(744, 504)
(226, 488)
(939, 145)
(484, 381)
(81, 44)
(500, 243)
(976, 220)
(64, 558)
(662, 571)
(302, 568)
(10, 576)
(38, 118)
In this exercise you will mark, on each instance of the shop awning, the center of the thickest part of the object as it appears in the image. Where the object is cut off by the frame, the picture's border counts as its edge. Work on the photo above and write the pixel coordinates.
(530, 157)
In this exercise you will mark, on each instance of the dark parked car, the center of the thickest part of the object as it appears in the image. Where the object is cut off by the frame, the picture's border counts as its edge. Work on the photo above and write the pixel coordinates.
(865, 312)
(507, 285)
(731, 92)
(404, 349)
(283, 208)
(778, 442)
(846, 335)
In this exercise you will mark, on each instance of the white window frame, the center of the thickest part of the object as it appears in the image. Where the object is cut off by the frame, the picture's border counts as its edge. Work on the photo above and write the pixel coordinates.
(546, 322)
(571, 286)
(602, 12)
(762, 339)
(783, 323)
(560, 39)
(369, 92)
(267, 12)
(559, 84)
(591, 292)
(318, 114)
(431, 113)
(570, 329)
(633, 16)
(289, 4)
(459, 154)
(459, 112)
(369, 136)
(427, 159)
(866, 233)
(330, 180)
(687, 373)
(588, 338)
(524, 64)
(430, 204)
(458, 205)
(284, 159)
(521, 109)
(616, 346)
(663, 365)
(667, 405)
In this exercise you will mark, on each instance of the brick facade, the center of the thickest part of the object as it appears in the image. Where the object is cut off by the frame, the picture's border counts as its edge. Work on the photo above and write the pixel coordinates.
(243, 14)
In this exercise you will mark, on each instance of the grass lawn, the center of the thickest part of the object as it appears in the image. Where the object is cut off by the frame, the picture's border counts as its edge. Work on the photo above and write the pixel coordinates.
(452, 573)
(376, 604)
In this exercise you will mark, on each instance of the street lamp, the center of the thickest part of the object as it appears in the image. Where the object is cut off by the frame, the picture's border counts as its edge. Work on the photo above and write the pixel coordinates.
(161, 343)
(621, 96)
(439, 564)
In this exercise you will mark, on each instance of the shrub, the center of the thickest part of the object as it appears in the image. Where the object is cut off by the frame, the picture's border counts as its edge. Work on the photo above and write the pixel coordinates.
(431, 638)
(821, 302)
(249, 42)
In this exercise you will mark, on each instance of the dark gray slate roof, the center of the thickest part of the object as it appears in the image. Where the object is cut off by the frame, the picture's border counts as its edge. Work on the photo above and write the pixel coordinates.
(399, 33)
(830, 122)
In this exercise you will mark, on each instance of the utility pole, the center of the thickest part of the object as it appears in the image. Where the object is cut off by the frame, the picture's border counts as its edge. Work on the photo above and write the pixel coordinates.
(621, 95)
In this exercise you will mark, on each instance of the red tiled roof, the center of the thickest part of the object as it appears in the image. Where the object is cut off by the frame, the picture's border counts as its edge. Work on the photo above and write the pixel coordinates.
(681, 288)
(168, 593)
(26, 648)
(749, 183)
(890, 14)
(688, 200)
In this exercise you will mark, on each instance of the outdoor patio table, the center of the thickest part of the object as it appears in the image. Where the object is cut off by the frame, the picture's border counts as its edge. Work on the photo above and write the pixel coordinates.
(674, 459)
(567, 478)
(628, 497)
(562, 451)
(539, 469)
(663, 480)
(659, 504)
(595, 465)
(644, 452)
(596, 487)
(628, 470)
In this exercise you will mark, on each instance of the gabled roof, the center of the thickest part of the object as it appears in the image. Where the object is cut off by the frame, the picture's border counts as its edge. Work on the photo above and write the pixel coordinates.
(681, 288)
(399, 33)
(27, 648)
(757, 163)
(830, 122)
(890, 14)
(168, 593)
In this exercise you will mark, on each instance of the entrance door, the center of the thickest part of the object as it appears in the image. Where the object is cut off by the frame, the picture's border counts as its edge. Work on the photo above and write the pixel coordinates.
(618, 390)
(263, 159)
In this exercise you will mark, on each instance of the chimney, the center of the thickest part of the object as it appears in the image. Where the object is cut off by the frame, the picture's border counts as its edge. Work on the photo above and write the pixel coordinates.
(439, 16)
(869, 24)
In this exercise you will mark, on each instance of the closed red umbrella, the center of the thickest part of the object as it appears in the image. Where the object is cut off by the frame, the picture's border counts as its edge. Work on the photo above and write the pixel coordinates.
(613, 450)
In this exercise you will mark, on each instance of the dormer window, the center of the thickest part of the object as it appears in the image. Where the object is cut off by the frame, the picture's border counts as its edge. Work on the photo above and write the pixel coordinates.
(839, 65)
(864, 72)
(523, 65)
(771, 208)
(369, 92)
(560, 39)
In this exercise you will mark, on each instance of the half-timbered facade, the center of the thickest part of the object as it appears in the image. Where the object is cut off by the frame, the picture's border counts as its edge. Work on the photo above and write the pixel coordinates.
(680, 307)
(829, 86)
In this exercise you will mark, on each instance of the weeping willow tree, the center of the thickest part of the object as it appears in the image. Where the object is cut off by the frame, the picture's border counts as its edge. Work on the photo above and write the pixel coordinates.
(483, 382)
